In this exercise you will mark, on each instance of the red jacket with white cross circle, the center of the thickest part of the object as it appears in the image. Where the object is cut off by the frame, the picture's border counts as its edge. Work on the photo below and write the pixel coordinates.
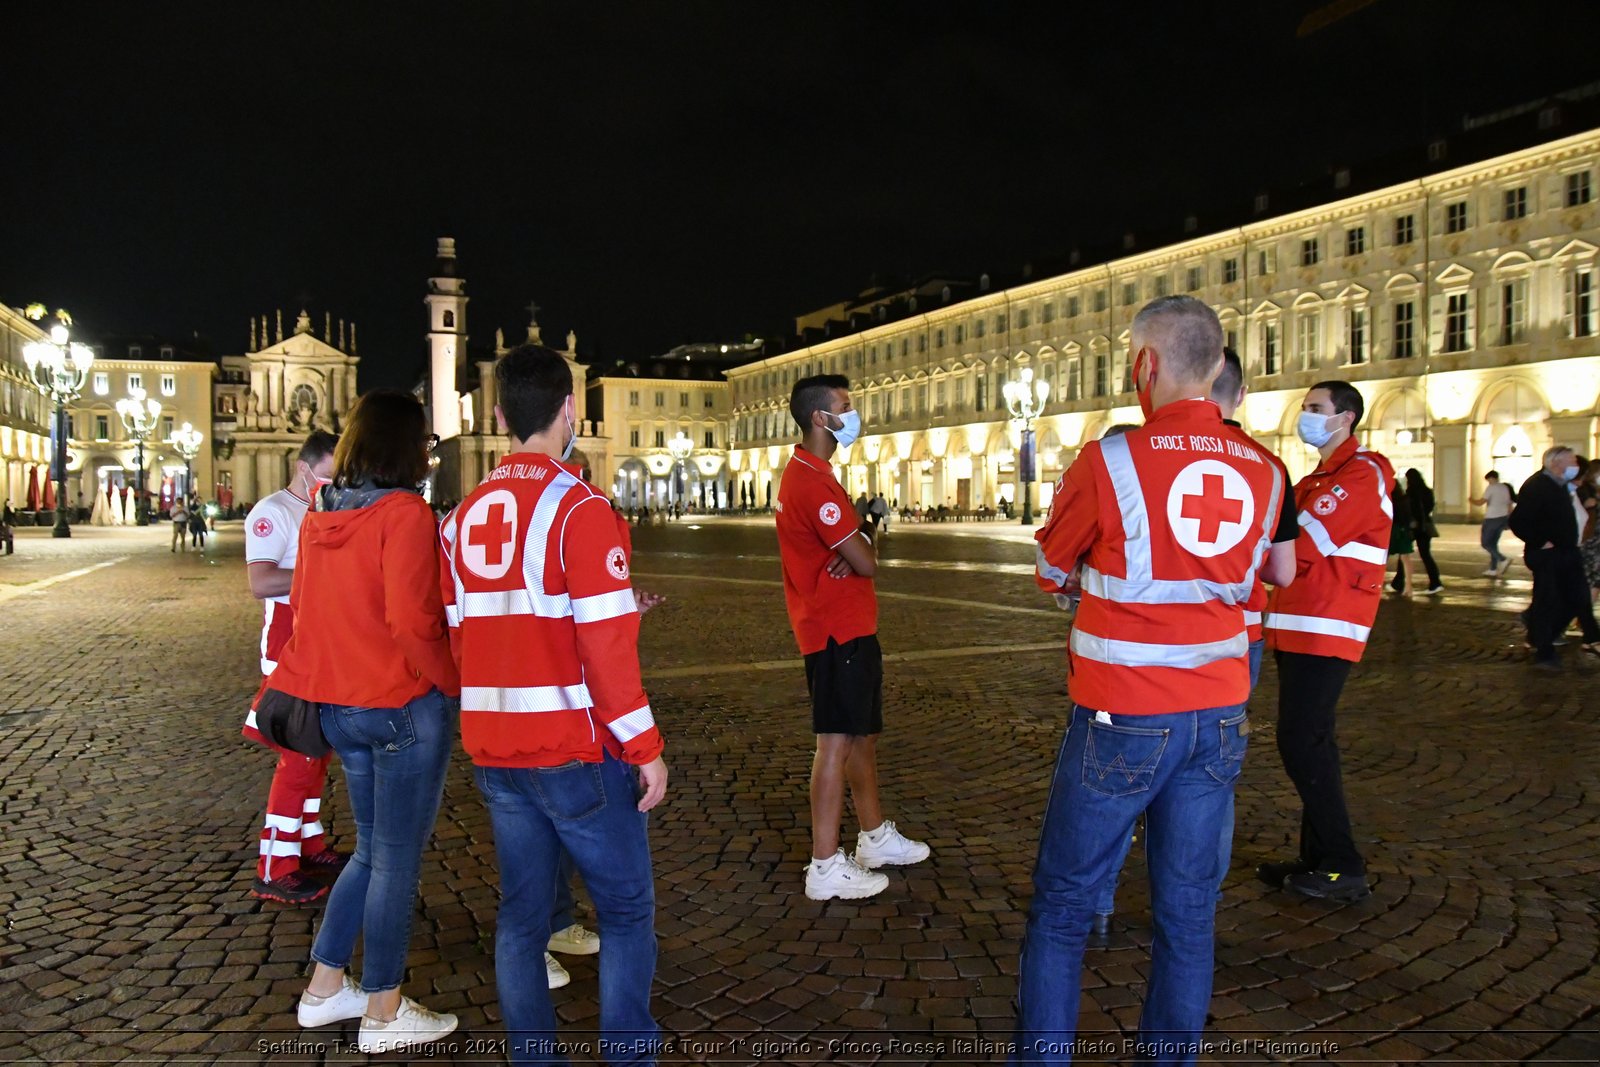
(543, 621)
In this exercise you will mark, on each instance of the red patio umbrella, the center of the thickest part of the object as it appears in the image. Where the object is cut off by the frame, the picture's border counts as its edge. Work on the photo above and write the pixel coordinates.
(33, 488)
(49, 495)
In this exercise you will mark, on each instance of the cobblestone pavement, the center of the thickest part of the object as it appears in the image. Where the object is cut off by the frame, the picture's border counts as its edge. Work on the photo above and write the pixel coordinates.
(130, 806)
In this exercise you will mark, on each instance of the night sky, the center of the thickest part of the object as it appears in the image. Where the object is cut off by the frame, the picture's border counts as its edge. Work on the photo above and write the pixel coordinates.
(658, 173)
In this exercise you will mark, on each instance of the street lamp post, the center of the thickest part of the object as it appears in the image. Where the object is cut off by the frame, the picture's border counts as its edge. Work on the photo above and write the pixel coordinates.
(680, 447)
(59, 367)
(1025, 399)
(187, 442)
(139, 415)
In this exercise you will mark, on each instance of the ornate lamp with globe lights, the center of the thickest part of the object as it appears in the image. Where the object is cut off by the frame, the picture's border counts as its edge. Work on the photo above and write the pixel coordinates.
(187, 440)
(1025, 399)
(139, 414)
(58, 367)
(680, 447)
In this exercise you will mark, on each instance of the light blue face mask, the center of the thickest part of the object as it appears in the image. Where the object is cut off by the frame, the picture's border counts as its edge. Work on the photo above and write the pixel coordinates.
(1313, 428)
(847, 433)
(1570, 474)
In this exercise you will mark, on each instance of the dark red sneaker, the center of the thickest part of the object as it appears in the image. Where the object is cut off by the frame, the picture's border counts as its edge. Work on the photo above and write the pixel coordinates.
(292, 888)
(324, 863)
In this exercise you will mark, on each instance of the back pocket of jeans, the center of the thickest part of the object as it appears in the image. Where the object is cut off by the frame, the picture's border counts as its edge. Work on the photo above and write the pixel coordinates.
(570, 791)
(1233, 741)
(1121, 760)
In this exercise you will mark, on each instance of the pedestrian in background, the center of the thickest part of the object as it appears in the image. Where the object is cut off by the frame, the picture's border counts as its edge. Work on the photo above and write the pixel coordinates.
(8, 519)
(180, 526)
(1546, 521)
(197, 524)
(370, 646)
(1588, 494)
(1419, 499)
(1496, 502)
(1402, 543)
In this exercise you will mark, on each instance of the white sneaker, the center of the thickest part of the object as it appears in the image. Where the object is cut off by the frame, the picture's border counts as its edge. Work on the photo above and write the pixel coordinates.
(556, 973)
(575, 940)
(888, 847)
(1492, 572)
(348, 1003)
(412, 1025)
(841, 876)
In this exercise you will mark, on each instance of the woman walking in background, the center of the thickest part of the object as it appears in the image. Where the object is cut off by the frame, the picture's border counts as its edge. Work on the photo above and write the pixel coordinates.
(1423, 531)
(1588, 492)
(1401, 545)
(370, 645)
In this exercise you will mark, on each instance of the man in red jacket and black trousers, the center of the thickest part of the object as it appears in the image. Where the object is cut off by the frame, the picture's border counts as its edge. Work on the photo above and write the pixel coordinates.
(553, 713)
(1319, 625)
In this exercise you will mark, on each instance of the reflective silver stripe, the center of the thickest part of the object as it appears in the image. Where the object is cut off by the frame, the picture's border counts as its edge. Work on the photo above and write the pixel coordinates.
(1141, 654)
(603, 606)
(499, 602)
(313, 805)
(1047, 570)
(526, 698)
(537, 537)
(282, 822)
(1353, 550)
(1383, 490)
(1316, 624)
(452, 615)
(632, 724)
(1130, 502)
(274, 847)
(312, 829)
(1252, 618)
(1162, 590)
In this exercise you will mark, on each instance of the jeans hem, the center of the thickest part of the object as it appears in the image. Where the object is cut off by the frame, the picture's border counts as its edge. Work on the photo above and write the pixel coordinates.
(345, 966)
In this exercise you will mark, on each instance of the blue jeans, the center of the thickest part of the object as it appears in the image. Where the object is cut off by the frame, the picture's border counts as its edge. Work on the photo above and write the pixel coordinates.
(1179, 770)
(394, 761)
(561, 913)
(1492, 529)
(588, 810)
(1107, 904)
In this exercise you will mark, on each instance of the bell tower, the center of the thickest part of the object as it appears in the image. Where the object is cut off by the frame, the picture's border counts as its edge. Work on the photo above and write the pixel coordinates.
(447, 339)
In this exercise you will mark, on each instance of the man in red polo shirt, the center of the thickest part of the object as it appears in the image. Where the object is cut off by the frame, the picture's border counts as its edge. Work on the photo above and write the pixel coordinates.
(828, 564)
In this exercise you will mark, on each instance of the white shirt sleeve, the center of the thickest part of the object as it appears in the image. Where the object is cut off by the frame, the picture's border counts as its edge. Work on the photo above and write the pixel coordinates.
(267, 534)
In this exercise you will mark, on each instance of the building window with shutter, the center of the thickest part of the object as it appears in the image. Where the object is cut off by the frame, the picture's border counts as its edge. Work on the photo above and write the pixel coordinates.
(1269, 348)
(1405, 229)
(1308, 335)
(1356, 329)
(1230, 270)
(1100, 374)
(1310, 252)
(1355, 240)
(661, 438)
(711, 439)
(1513, 311)
(1580, 309)
(1405, 322)
(1579, 189)
(1516, 204)
(1455, 217)
(1456, 326)
(1196, 278)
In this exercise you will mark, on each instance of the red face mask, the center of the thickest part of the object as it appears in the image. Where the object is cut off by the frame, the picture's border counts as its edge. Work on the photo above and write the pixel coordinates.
(1146, 394)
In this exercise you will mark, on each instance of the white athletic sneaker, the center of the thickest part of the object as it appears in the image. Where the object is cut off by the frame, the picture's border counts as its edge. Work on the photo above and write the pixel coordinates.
(556, 973)
(348, 1003)
(575, 940)
(888, 847)
(412, 1025)
(841, 876)
(1492, 572)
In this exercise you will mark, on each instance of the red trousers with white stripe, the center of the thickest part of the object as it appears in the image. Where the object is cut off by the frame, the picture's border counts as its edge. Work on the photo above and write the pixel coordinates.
(294, 813)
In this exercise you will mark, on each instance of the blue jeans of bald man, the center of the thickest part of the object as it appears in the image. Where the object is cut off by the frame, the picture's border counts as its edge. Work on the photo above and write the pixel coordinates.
(1179, 771)
(1108, 891)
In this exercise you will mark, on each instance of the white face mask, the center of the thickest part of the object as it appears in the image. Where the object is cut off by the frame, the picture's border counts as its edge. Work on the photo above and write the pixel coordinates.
(849, 428)
(1314, 429)
(572, 441)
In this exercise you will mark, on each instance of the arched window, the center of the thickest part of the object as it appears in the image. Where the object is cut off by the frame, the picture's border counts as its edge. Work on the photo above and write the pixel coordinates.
(449, 320)
(305, 398)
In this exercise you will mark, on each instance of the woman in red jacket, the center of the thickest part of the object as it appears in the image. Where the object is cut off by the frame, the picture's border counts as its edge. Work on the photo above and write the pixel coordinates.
(370, 645)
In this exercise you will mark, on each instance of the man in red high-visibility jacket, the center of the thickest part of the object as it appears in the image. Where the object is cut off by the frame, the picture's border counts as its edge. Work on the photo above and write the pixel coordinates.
(1318, 627)
(564, 744)
(1169, 522)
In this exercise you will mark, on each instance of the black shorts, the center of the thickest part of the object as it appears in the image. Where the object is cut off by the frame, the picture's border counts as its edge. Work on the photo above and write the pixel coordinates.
(846, 683)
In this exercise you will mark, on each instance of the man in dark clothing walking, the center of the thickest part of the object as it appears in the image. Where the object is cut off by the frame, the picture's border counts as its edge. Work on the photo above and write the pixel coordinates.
(1547, 524)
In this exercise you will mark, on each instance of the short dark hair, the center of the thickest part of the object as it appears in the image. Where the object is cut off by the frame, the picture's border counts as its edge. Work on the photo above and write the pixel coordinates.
(533, 382)
(318, 447)
(1230, 378)
(1493, 474)
(1345, 397)
(384, 442)
(811, 394)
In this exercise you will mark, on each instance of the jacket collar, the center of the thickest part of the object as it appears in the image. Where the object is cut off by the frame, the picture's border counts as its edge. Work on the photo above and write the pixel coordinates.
(1340, 457)
(816, 463)
(1200, 407)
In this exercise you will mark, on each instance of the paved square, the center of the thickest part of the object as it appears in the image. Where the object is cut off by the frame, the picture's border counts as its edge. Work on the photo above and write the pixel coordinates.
(130, 806)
